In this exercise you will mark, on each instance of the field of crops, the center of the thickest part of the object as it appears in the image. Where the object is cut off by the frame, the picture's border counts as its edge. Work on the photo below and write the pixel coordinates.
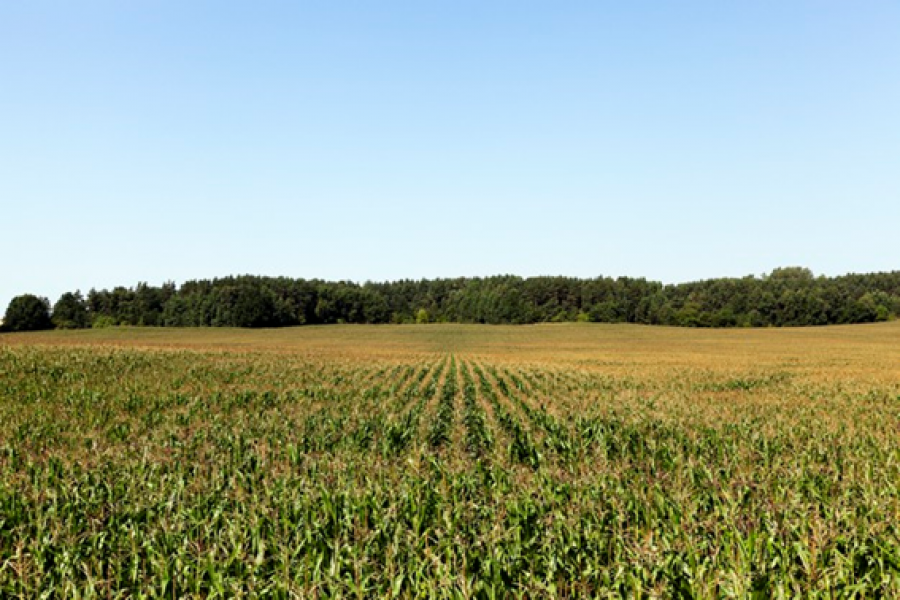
(451, 462)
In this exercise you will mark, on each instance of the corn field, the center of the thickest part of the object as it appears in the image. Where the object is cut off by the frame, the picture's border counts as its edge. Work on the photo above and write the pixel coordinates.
(243, 472)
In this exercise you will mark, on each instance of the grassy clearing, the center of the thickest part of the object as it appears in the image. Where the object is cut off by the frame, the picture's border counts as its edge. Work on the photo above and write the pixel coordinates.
(451, 461)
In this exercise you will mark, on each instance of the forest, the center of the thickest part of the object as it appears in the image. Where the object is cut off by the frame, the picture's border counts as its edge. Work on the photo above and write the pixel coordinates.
(789, 296)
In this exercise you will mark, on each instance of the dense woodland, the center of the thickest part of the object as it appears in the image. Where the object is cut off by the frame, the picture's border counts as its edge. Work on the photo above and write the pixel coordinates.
(790, 296)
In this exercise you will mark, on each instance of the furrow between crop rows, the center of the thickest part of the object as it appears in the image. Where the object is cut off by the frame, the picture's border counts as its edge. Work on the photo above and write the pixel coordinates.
(521, 448)
(479, 438)
(442, 421)
(556, 437)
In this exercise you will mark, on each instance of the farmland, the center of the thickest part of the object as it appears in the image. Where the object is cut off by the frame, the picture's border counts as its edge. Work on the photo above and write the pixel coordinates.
(451, 461)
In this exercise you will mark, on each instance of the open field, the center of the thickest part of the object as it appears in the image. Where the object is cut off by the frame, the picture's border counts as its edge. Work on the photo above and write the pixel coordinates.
(451, 461)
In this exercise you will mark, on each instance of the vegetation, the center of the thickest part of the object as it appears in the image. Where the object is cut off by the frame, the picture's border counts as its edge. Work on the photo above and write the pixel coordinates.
(70, 312)
(451, 461)
(785, 297)
(27, 313)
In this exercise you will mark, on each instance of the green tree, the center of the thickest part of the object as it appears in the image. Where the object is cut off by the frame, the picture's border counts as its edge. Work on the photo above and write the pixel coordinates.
(27, 313)
(70, 312)
(791, 274)
(244, 305)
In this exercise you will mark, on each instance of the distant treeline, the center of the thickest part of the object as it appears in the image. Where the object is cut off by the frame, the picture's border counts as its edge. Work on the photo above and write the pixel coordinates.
(790, 296)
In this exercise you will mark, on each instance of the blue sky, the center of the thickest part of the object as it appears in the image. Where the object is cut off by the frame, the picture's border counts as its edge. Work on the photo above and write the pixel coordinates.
(162, 140)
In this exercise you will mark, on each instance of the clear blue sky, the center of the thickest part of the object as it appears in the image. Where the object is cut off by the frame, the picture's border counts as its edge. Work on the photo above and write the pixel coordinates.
(163, 140)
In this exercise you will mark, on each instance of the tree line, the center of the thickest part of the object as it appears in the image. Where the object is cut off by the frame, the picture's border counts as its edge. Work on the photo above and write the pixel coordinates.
(791, 296)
